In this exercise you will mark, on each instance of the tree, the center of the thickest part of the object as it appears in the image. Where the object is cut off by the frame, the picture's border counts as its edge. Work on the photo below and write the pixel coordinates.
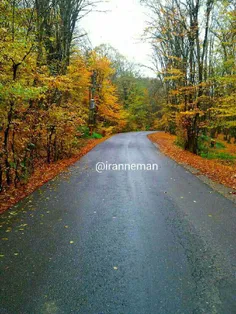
(43, 86)
(109, 112)
(179, 36)
(132, 90)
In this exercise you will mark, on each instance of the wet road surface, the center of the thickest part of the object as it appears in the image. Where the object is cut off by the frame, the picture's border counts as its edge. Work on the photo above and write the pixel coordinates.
(120, 241)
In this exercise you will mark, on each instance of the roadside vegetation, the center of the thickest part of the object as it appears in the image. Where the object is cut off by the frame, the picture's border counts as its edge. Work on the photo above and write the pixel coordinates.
(49, 73)
(194, 56)
(219, 165)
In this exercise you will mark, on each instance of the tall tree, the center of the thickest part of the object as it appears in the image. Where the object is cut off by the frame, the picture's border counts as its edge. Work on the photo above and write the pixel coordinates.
(179, 36)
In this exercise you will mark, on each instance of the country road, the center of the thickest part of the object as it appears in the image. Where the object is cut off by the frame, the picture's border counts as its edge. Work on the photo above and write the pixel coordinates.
(122, 242)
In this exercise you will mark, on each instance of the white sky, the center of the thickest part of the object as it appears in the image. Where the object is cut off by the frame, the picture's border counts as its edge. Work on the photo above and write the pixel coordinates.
(121, 27)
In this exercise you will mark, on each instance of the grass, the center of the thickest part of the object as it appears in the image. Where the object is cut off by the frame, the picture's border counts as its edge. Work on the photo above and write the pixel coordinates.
(208, 152)
(96, 135)
(84, 130)
(218, 155)
(220, 145)
(218, 163)
(219, 151)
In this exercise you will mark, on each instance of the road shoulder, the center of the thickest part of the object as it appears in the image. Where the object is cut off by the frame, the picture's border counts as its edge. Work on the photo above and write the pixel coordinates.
(219, 177)
(42, 174)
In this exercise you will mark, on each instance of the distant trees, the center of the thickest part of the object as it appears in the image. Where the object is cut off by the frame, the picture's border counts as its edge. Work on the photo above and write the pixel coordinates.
(46, 80)
(133, 91)
(110, 116)
(194, 48)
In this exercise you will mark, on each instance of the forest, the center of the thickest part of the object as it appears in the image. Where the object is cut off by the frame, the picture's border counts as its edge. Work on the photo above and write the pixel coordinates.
(56, 91)
(194, 55)
(48, 75)
(118, 156)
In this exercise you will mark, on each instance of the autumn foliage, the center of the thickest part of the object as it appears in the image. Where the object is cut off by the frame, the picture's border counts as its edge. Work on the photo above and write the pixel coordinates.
(214, 169)
(48, 79)
(45, 84)
(42, 174)
(194, 50)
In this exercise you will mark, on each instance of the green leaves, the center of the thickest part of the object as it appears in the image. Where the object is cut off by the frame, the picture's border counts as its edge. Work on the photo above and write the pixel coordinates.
(18, 91)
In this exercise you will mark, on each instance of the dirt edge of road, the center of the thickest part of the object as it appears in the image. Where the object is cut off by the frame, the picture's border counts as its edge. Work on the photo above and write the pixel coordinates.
(43, 174)
(218, 178)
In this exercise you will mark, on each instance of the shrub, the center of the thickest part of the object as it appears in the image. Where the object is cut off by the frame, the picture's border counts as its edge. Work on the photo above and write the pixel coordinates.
(96, 135)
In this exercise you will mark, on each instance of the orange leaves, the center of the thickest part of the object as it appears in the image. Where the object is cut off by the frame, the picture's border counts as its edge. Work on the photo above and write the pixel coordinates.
(214, 169)
(42, 174)
(42, 113)
(109, 111)
(101, 64)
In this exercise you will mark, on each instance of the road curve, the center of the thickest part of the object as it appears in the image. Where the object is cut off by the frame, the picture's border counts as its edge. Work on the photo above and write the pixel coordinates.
(120, 241)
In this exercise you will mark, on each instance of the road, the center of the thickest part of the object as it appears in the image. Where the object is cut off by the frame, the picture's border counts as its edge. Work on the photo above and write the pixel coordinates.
(120, 241)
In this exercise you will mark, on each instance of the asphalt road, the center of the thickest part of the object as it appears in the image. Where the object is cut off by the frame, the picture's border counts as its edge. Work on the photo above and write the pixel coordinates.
(120, 241)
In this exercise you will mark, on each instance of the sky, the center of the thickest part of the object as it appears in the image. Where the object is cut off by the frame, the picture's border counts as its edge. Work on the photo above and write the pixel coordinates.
(121, 27)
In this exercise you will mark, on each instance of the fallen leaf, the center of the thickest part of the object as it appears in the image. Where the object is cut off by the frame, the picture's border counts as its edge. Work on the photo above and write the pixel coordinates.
(214, 169)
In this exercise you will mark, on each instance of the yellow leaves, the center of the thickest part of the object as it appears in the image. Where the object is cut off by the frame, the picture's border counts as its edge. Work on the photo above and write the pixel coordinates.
(174, 58)
(62, 82)
(173, 74)
(109, 110)
(101, 64)
(188, 113)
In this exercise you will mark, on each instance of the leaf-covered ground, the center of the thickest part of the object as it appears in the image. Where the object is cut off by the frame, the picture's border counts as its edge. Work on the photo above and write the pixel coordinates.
(213, 168)
(43, 174)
